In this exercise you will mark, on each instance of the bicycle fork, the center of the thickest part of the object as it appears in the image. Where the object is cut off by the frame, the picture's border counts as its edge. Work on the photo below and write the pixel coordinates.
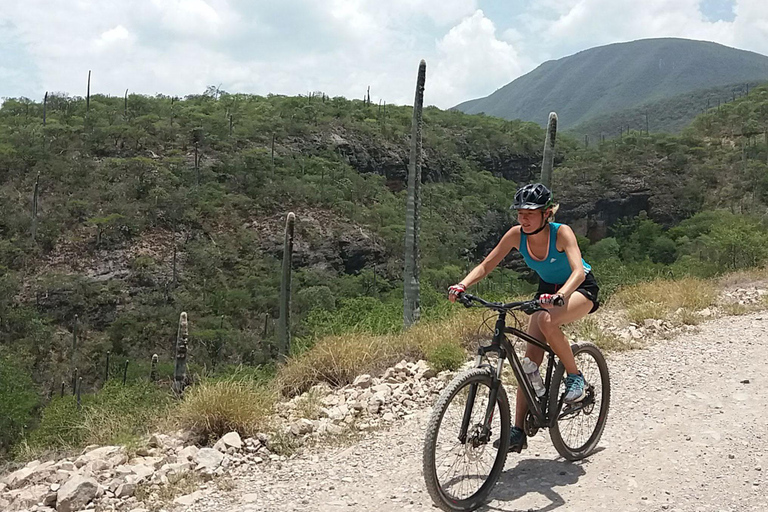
(488, 418)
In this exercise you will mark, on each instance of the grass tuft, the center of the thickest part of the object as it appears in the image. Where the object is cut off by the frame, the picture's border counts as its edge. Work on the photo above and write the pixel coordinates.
(214, 408)
(661, 298)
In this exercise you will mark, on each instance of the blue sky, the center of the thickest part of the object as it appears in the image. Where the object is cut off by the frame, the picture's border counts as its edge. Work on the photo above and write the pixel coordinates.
(340, 47)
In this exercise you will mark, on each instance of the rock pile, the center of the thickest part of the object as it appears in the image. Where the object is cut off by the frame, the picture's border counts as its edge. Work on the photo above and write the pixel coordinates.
(108, 479)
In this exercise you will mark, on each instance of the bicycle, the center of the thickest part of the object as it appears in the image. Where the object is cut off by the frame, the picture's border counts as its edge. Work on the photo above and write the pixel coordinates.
(471, 432)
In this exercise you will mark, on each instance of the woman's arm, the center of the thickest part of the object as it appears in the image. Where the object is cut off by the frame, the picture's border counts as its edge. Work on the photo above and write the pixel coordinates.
(511, 240)
(567, 240)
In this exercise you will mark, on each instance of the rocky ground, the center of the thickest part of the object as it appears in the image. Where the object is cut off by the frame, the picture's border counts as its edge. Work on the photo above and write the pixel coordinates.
(686, 432)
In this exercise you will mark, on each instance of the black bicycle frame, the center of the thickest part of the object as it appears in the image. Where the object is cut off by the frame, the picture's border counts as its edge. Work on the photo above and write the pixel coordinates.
(500, 344)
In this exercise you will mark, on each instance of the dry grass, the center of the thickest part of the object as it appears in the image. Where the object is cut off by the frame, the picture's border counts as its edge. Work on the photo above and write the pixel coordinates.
(337, 360)
(211, 409)
(589, 329)
(309, 405)
(743, 277)
(161, 498)
(661, 298)
(736, 309)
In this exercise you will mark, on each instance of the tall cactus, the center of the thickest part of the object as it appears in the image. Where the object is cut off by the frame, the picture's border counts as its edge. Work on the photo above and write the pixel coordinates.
(34, 207)
(549, 151)
(73, 361)
(411, 290)
(153, 368)
(45, 106)
(88, 95)
(284, 325)
(180, 371)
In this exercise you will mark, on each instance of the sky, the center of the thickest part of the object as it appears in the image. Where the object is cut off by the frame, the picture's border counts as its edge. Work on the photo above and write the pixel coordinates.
(339, 47)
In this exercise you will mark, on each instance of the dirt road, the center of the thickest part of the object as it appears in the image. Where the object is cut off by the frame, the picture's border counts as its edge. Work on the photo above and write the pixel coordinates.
(687, 432)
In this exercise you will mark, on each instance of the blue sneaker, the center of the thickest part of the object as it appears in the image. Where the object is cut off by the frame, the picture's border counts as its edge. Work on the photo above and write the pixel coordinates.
(517, 440)
(575, 388)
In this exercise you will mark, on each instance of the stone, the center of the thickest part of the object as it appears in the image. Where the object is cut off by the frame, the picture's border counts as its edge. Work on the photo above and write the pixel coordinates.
(125, 490)
(363, 381)
(230, 440)
(141, 471)
(28, 497)
(188, 499)
(302, 426)
(50, 499)
(31, 473)
(208, 458)
(111, 455)
(78, 492)
(188, 453)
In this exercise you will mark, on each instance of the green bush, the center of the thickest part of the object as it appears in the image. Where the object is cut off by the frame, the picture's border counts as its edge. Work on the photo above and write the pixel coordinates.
(116, 414)
(18, 401)
(605, 249)
(446, 356)
(663, 250)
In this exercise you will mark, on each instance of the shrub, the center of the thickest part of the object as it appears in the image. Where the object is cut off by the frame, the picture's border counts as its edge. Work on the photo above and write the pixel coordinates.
(213, 408)
(18, 401)
(446, 356)
(115, 415)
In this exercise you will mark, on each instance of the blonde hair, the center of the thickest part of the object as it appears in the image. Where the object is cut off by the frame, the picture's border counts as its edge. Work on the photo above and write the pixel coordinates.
(554, 208)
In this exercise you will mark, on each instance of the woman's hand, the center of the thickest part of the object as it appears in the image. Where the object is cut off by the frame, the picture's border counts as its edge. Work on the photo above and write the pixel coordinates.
(550, 300)
(455, 290)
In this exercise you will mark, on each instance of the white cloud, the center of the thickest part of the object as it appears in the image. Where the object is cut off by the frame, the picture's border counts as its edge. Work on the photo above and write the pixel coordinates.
(339, 46)
(472, 61)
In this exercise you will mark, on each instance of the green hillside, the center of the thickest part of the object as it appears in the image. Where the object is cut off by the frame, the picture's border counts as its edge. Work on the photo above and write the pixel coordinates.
(166, 205)
(669, 115)
(611, 78)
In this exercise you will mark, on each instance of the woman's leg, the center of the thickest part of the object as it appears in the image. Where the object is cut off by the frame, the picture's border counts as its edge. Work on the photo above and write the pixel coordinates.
(577, 306)
(536, 355)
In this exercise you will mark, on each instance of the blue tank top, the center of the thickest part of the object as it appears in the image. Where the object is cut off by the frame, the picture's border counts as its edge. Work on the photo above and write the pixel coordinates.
(554, 268)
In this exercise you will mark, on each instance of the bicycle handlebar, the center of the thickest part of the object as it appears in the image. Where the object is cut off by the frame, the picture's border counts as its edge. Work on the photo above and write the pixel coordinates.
(527, 306)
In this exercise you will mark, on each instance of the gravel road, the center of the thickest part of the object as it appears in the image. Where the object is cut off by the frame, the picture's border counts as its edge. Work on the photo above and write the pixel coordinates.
(687, 432)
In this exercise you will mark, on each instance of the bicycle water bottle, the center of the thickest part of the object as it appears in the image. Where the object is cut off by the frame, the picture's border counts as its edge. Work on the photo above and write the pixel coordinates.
(534, 377)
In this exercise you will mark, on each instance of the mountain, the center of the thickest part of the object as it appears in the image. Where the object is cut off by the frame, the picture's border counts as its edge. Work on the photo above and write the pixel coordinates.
(668, 115)
(618, 76)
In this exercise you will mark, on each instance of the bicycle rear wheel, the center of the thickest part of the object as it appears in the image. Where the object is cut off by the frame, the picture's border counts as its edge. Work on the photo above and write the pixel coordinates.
(579, 426)
(460, 474)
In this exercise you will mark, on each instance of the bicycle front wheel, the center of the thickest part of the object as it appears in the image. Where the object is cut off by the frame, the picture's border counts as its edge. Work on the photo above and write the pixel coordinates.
(579, 426)
(460, 472)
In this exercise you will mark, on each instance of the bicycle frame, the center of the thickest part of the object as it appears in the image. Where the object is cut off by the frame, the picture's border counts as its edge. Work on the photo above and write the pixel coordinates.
(501, 345)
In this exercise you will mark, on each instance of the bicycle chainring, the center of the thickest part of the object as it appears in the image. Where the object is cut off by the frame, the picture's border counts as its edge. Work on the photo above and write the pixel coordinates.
(529, 425)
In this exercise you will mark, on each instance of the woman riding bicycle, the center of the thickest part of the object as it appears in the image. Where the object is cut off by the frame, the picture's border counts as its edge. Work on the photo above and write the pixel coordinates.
(551, 250)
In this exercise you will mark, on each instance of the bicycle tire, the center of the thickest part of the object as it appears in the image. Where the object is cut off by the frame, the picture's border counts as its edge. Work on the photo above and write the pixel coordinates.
(483, 376)
(573, 453)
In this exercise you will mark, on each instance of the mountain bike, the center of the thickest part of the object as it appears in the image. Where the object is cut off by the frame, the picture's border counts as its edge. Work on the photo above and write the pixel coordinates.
(460, 463)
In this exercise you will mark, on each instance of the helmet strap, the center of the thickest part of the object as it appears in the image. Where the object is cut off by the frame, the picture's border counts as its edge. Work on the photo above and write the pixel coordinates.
(546, 223)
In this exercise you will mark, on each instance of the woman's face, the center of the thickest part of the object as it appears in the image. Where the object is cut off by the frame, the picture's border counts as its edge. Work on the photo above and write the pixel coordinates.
(530, 220)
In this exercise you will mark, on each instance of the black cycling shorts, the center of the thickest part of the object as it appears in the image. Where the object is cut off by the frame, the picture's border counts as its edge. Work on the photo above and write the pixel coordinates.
(588, 288)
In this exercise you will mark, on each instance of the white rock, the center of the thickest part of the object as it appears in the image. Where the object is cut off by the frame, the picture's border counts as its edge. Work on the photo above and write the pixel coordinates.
(363, 381)
(208, 458)
(112, 455)
(76, 493)
(188, 453)
(31, 473)
(125, 490)
(230, 440)
(189, 499)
